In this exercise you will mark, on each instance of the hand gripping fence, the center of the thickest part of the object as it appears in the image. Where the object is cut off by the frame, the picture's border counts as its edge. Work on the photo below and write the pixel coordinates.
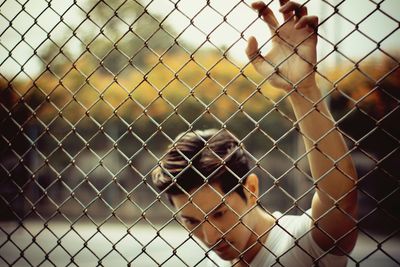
(93, 92)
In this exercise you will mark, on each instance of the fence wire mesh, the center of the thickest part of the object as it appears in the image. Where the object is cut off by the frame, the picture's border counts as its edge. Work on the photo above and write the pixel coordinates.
(93, 92)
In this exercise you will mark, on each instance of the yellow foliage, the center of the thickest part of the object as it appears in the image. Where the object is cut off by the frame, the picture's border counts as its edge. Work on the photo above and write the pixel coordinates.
(207, 77)
(364, 83)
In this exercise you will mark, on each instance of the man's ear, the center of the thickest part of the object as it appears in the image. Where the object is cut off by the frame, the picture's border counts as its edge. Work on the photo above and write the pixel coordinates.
(251, 189)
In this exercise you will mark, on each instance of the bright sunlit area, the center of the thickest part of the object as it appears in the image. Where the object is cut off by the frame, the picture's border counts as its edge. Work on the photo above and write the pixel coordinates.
(350, 29)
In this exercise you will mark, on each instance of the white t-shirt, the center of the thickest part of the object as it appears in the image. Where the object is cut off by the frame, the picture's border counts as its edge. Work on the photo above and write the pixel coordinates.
(280, 248)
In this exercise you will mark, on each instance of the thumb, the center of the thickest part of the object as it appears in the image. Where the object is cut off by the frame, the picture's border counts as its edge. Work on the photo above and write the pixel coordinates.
(252, 48)
(255, 57)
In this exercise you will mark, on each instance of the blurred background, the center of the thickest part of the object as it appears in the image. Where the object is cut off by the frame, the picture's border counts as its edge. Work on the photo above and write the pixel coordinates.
(93, 92)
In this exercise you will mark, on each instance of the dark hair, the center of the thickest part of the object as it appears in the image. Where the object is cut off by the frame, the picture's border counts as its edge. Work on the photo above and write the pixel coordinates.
(197, 157)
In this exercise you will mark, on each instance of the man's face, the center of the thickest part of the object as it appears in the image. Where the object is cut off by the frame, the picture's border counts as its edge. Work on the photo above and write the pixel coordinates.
(226, 230)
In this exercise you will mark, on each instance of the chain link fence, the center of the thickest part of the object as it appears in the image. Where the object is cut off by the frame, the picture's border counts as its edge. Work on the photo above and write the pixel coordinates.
(93, 92)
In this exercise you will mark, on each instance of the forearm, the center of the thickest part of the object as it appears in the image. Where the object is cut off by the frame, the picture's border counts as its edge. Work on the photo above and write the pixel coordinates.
(331, 166)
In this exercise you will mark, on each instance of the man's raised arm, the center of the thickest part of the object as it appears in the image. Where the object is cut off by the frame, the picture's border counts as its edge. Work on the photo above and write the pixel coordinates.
(289, 65)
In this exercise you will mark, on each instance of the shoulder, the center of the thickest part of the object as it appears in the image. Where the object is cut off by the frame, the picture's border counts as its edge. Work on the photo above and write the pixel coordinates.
(295, 225)
(295, 232)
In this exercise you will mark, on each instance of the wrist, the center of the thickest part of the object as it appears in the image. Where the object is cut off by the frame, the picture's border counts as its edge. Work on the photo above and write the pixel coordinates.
(306, 92)
(307, 87)
(305, 99)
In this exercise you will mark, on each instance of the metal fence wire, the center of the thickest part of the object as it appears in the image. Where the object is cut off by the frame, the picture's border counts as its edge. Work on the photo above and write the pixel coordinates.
(93, 92)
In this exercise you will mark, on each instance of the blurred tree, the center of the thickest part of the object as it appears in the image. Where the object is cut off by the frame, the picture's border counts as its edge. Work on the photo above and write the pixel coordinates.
(366, 102)
(126, 33)
(113, 34)
(127, 78)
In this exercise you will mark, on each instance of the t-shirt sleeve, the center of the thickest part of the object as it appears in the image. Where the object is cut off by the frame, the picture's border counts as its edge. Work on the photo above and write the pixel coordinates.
(307, 242)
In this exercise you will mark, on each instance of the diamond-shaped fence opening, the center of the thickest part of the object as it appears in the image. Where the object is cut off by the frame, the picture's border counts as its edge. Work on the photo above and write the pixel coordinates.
(105, 156)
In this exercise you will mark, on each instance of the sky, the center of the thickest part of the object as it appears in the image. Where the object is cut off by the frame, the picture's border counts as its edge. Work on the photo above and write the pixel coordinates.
(374, 26)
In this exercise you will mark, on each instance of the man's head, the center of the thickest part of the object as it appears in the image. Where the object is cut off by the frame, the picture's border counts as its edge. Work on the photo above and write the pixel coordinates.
(205, 175)
(200, 157)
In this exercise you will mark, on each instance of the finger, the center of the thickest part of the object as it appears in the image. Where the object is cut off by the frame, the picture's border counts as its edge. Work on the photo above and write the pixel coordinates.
(293, 7)
(302, 11)
(252, 48)
(253, 53)
(283, 2)
(266, 13)
(310, 21)
(286, 15)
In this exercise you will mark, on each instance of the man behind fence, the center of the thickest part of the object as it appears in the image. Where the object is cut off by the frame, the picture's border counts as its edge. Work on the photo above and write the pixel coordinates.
(207, 177)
